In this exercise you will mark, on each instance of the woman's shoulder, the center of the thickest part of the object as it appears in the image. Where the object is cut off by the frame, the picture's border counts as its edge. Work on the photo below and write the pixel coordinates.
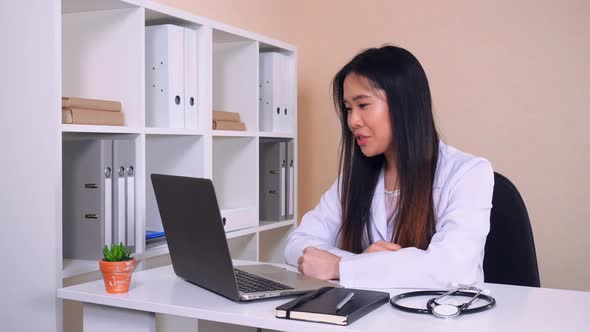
(453, 164)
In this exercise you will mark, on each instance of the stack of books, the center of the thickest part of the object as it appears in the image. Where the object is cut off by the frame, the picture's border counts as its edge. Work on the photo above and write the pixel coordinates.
(91, 112)
(227, 121)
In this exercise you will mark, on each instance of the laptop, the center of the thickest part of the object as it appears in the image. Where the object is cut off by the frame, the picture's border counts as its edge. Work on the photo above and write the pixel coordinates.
(199, 251)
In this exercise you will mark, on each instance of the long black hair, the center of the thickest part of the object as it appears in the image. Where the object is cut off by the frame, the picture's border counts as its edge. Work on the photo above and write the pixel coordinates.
(415, 143)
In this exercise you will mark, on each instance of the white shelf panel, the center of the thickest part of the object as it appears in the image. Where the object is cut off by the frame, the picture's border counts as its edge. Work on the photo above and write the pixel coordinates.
(269, 134)
(268, 225)
(158, 250)
(74, 267)
(73, 128)
(157, 12)
(76, 6)
(174, 131)
(233, 133)
(162, 249)
(241, 232)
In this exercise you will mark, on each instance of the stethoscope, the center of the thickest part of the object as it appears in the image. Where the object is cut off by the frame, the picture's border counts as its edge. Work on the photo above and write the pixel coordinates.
(447, 310)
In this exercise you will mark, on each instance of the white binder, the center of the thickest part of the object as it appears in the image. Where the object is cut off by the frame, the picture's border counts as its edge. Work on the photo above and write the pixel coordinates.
(290, 179)
(272, 100)
(238, 218)
(190, 79)
(164, 73)
(288, 95)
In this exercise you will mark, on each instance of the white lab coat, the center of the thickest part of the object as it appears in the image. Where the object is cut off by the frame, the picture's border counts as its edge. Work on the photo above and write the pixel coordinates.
(462, 199)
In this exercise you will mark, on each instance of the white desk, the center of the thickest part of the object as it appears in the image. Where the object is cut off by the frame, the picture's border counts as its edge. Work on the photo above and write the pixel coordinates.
(161, 291)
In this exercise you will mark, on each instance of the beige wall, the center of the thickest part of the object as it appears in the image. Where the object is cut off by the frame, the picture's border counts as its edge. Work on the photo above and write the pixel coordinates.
(508, 79)
(272, 18)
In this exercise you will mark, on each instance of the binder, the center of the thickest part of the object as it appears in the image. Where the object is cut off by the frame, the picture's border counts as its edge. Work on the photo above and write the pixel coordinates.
(273, 174)
(290, 180)
(124, 192)
(190, 78)
(164, 73)
(272, 100)
(87, 197)
(320, 305)
(288, 94)
(238, 218)
(284, 93)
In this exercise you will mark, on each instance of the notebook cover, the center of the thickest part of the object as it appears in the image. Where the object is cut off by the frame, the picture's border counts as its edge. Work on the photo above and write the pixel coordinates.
(323, 308)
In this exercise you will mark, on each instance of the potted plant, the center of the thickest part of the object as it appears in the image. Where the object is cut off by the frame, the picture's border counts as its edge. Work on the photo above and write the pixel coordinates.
(116, 268)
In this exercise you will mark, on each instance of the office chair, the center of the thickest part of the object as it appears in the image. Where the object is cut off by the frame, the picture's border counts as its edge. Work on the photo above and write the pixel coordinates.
(510, 256)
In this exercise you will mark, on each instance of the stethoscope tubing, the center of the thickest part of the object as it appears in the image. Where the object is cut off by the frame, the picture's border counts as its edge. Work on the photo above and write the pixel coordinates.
(393, 301)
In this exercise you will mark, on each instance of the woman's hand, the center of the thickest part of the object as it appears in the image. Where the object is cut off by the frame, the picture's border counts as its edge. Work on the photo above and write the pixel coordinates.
(319, 264)
(382, 246)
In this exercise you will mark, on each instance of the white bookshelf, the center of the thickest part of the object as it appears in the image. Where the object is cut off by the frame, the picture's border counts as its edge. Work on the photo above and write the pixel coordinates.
(103, 57)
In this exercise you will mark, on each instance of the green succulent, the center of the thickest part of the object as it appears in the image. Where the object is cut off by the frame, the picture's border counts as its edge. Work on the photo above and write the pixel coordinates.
(116, 253)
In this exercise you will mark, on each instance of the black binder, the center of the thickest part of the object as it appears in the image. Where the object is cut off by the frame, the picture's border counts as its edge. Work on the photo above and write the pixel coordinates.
(320, 305)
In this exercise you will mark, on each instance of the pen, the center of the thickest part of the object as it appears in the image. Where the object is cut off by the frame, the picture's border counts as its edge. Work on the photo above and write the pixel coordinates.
(344, 301)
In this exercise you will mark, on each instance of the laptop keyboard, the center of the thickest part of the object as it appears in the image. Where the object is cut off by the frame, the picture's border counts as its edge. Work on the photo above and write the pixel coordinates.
(250, 283)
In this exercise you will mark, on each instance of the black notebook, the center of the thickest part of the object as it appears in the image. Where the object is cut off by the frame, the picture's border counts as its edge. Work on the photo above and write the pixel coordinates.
(320, 305)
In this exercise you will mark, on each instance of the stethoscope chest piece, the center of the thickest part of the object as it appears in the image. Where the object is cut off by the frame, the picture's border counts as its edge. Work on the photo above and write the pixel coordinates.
(445, 311)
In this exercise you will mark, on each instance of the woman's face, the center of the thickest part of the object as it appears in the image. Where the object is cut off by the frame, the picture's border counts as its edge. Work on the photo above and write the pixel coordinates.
(368, 115)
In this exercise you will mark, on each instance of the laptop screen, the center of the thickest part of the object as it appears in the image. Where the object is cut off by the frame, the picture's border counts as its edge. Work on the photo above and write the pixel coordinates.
(194, 232)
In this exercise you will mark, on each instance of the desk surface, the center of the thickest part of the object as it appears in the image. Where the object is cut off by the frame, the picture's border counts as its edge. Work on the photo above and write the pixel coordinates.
(518, 308)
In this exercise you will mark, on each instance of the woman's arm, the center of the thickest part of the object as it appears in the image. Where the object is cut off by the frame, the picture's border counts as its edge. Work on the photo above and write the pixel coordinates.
(319, 228)
(455, 253)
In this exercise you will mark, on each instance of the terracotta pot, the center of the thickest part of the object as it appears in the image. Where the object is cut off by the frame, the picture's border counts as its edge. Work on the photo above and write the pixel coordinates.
(117, 275)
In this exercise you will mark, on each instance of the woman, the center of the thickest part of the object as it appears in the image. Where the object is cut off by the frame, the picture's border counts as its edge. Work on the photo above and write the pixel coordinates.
(407, 210)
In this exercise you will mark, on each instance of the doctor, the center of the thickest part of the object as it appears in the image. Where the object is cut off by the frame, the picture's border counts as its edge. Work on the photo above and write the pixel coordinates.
(407, 210)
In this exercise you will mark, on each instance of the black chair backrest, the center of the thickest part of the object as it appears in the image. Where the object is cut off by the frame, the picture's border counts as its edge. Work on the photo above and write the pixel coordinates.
(510, 256)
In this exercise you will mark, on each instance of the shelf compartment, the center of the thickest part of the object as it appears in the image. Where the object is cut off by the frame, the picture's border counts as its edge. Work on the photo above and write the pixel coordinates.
(235, 76)
(75, 128)
(235, 172)
(173, 155)
(272, 242)
(75, 267)
(244, 247)
(76, 6)
(102, 58)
